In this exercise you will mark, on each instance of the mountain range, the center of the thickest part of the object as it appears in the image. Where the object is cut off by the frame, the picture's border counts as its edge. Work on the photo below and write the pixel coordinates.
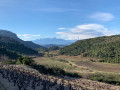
(53, 42)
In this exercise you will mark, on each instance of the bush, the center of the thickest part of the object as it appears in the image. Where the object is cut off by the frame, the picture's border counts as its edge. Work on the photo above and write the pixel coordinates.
(25, 61)
(73, 75)
(45, 69)
(19, 59)
(101, 60)
(54, 71)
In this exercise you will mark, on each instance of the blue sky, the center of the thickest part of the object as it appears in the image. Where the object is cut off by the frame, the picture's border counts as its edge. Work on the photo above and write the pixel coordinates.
(67, 19)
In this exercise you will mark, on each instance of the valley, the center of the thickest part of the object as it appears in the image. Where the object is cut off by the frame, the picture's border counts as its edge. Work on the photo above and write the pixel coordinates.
(71, 67)
(92, 63)
(59, 44)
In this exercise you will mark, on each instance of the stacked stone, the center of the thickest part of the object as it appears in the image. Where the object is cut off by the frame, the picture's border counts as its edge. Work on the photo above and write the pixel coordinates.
(29, 79)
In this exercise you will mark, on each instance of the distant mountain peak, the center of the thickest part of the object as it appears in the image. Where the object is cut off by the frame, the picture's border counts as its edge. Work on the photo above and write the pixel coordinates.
(55, 41)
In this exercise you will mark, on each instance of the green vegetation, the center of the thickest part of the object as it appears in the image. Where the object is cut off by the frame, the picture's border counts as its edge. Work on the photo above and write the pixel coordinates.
(105, 48)
(13, 49)
(57, 71)
(57, 63)
(25, 61)
(17, 47)
(20, 60)
(43, 49)
(9, 53)
(54, 71)
(107, 78)
(53, 48)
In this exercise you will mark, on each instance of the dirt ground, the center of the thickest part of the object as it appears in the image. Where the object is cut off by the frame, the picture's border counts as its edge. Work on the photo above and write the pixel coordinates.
(75, 58)
(85, 62)
(100, 66)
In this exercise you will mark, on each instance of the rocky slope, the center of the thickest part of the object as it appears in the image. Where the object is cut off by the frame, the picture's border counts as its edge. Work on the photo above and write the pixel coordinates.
(46, 82)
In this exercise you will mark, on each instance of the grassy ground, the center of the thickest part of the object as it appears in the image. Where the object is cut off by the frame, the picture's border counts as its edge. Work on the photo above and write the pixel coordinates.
(51, 62)
(85, 66)
(110, 78)
(97, 66)
(67, 65)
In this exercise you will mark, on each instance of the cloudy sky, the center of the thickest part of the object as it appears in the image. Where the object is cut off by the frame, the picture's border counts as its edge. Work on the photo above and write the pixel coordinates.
(67, 19)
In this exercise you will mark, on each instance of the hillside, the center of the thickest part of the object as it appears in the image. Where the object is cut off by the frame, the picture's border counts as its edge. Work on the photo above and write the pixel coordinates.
(29, 44)
(51, 45)
(106, 48)
(11, 45)
(10, 54)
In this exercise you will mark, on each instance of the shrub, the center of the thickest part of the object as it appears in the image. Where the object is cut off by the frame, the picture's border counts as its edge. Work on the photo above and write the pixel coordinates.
(54, 71)
(25, 61)
(19, 59)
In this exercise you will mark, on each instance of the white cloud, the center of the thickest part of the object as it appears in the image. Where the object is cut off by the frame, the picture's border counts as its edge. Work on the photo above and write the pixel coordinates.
(27, 36)
(62, 28)
(86, 31)
(102, 16)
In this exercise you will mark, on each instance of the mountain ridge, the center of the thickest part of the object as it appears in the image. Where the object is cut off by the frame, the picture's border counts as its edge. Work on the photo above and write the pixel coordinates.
(29, 44)
(13, 47)
(107, 48)
(54, 41)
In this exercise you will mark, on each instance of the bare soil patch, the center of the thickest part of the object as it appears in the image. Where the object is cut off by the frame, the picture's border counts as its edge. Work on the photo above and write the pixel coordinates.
(100, 66)
(85, 62)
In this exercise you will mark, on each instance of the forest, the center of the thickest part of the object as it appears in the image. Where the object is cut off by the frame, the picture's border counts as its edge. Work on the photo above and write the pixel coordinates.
(106, 48)
(14, 49)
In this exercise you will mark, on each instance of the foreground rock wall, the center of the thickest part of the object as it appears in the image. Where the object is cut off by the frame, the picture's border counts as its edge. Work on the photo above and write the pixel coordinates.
(17, 77)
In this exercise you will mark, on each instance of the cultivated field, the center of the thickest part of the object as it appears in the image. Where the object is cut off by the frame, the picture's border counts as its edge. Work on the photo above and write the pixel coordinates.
(97, 66)
(84, 66)
(90, 69)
